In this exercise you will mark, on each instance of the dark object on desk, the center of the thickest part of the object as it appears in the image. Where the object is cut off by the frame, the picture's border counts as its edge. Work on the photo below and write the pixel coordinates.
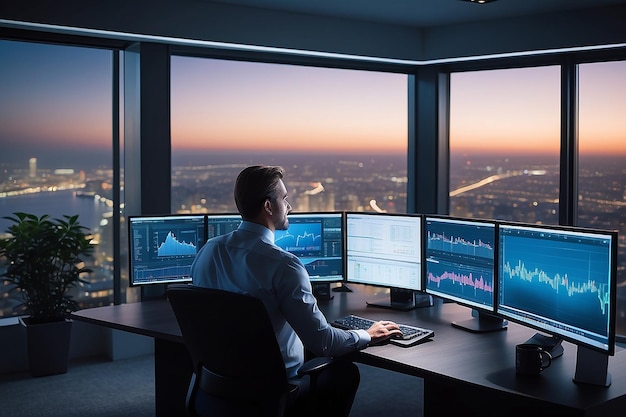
(321, 291)
(403, 300)
(411, 335)
(482, 322)
(531, 359)
(342, 288)
(243, 372)
(550, 344)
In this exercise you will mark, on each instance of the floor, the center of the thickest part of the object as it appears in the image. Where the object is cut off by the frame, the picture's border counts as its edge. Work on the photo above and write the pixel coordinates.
(97, 387)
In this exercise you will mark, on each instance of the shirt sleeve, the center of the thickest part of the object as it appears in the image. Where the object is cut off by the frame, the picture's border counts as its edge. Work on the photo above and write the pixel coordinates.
(299, 306)
(364, 338)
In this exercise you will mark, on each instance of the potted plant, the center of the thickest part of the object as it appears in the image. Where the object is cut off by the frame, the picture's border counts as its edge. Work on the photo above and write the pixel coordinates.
(45, 259)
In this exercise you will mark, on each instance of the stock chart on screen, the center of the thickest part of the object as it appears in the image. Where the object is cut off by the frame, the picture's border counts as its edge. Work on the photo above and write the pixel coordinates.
(561, 280)
(162, 248)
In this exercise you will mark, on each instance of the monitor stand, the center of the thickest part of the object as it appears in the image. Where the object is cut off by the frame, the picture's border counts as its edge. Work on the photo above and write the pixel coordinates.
(403, 300)
(321, 291)
(342, 288)
(481, 322)
(153, 292)
(550, 344)
(592, 367)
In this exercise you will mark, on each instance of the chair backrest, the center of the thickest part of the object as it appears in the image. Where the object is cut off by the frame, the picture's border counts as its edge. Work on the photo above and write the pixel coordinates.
(231, 342)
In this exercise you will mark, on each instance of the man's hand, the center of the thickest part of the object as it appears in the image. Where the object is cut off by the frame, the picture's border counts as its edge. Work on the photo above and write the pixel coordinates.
(383, 330)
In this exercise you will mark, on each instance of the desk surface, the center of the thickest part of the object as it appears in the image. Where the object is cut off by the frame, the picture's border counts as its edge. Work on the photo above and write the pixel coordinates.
(454, 355)
(150, 318)
(486, 360)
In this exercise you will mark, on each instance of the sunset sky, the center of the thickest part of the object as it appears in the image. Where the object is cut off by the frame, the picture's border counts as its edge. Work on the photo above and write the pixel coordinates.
(53, 97)
(247, 105)
(525, 103)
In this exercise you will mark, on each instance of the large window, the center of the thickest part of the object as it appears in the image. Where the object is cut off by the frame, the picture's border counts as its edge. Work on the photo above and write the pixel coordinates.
(602, 161)
(504, 149)
(56, 158)
(504, 144)
(340, 134)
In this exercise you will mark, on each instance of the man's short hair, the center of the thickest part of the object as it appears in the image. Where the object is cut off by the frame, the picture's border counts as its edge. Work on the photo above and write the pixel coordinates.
(253, 186)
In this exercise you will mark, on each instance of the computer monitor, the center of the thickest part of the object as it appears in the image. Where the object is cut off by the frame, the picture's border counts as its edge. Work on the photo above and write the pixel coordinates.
(162, 248)
(385, 249)
(317, 239)
(460, 266)
(221, 223)
(562, 281)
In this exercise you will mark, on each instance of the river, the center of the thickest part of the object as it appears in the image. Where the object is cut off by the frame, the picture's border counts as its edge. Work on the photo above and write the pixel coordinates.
(56, 204)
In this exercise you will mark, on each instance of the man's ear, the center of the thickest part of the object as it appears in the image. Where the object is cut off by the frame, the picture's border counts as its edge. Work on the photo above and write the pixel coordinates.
(267, 206)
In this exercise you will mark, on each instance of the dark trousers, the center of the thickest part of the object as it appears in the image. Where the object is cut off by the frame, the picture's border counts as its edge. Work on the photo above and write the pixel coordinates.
(331, 393)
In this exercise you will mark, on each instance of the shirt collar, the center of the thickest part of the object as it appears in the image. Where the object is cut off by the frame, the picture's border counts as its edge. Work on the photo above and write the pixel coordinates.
(266, 234)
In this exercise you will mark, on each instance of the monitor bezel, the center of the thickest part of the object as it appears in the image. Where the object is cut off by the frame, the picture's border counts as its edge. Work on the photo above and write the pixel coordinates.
(131, 281)
(476, 306)
(613, 234)
(419, 219)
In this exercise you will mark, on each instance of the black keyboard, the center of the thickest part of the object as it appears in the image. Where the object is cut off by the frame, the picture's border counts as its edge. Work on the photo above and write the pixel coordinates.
(411, 335)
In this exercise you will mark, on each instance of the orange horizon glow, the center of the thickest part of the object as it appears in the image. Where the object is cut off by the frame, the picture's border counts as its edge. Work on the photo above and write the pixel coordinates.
(472, 152)
(302, 149)
(279, 136)
(543, 146)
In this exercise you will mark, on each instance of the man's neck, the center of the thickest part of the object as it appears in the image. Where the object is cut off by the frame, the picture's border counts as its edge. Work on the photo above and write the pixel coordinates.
(263, 220)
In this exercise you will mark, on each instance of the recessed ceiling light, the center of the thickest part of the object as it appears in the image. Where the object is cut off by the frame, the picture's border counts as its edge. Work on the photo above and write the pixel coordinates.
(479, 1)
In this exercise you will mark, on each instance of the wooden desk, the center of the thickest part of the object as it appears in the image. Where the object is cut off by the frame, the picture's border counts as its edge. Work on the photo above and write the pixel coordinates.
(464, 373)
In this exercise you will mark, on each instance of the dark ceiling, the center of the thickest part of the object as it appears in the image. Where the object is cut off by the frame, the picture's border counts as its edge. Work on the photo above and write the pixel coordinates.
(422, 13)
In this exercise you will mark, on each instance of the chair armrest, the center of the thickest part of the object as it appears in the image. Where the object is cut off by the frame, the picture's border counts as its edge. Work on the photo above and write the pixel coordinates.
(314, 366)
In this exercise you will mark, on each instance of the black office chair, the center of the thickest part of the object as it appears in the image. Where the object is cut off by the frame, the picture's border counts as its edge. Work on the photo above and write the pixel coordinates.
(238, 367)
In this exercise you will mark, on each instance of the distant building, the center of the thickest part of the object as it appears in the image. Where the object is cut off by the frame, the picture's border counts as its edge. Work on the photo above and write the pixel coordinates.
(64, 171)
(32, 167)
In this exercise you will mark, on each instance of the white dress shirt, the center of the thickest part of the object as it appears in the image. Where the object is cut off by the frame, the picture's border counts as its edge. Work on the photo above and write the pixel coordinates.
(247, 261)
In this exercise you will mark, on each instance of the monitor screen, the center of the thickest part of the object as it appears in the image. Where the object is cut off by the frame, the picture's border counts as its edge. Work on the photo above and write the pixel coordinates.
(559, 280)
(384, 249)
(317, 239)
(162, 248)
(222, 223)
(460, 260)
